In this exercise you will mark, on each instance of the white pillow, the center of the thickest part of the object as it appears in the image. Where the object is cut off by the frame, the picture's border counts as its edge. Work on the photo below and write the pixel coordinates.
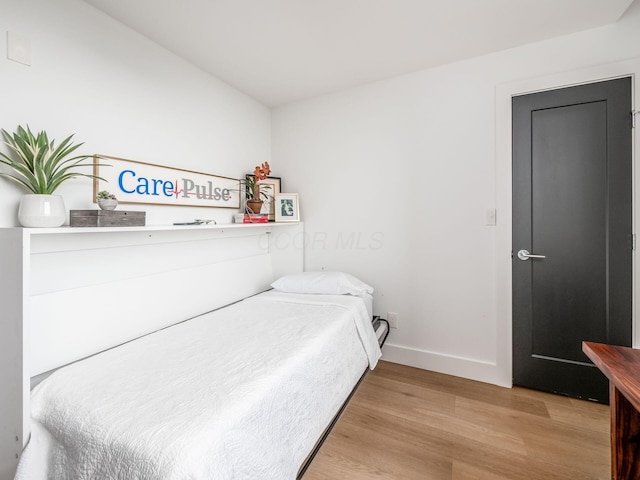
(327, 283)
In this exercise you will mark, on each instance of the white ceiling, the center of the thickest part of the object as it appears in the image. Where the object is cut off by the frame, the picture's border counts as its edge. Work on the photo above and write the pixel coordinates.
(280, 51)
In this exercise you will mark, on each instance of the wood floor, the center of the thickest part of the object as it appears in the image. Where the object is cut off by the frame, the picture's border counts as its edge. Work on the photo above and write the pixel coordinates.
(407, 423)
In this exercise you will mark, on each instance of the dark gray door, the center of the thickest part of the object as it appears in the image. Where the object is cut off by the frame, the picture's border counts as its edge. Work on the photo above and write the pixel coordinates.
(572, 205)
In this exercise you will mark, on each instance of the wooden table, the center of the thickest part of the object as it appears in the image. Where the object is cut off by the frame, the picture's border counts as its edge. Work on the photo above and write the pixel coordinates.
(621, 365)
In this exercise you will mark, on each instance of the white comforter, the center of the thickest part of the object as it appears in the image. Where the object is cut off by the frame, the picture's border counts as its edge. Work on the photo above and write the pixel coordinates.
(240, 393)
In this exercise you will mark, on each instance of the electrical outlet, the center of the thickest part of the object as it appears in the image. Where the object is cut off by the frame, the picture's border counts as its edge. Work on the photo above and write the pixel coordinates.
(392, 317)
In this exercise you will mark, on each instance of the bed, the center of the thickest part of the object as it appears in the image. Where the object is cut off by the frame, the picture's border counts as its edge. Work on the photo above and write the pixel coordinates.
(241, 392)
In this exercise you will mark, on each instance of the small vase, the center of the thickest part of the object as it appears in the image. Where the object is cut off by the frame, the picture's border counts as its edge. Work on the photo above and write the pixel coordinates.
(107, 203)
(38, 210)
(254, 206)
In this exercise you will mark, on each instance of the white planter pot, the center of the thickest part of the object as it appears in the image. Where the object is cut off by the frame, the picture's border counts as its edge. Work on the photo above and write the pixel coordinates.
(41, 211)
(107, 203)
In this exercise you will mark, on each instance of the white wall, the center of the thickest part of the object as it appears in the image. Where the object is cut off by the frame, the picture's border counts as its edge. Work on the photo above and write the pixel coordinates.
(395, 179)
(123, 96)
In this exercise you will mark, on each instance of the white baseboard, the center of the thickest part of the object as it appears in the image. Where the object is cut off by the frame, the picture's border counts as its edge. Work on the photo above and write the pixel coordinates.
(451, 365)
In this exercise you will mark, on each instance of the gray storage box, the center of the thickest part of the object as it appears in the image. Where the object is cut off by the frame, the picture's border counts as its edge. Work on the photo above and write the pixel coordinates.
(106, 218)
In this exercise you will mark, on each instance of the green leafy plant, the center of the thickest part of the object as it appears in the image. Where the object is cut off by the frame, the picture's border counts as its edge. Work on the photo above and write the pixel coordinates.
(253, 193)
(104, 195)
(38, 164)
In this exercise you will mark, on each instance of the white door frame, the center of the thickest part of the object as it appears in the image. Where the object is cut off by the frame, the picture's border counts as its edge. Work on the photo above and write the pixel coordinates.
(504, 93)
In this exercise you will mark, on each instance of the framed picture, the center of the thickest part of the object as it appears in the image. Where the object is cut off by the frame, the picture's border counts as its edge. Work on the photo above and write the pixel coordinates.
(270, 187)
(287, 207)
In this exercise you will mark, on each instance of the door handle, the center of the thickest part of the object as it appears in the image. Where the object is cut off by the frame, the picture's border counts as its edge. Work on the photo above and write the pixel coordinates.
(524, 255)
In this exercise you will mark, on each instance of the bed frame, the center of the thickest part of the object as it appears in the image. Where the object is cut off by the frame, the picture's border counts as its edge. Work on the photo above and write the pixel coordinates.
(72, 292)
(381, 327)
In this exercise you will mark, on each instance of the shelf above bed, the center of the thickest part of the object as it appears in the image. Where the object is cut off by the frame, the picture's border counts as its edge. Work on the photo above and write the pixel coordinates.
(68, 239)
(156, 228)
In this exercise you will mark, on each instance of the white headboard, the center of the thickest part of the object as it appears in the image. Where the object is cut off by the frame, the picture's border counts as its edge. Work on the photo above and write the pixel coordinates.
(71, 292)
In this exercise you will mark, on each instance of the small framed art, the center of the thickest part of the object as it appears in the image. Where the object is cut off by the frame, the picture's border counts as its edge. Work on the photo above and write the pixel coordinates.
(287, 207)
(269, 188)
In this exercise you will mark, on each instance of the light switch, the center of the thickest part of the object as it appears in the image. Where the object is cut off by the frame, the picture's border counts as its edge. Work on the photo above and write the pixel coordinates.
(490, 219)
(18, 48)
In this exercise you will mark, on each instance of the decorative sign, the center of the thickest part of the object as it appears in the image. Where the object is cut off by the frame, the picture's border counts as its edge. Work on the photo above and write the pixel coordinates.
(145, 183)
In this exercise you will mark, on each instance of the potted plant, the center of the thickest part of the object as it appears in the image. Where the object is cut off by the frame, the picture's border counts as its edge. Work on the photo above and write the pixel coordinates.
(106, 200)
(41, 166)
(252, 188)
